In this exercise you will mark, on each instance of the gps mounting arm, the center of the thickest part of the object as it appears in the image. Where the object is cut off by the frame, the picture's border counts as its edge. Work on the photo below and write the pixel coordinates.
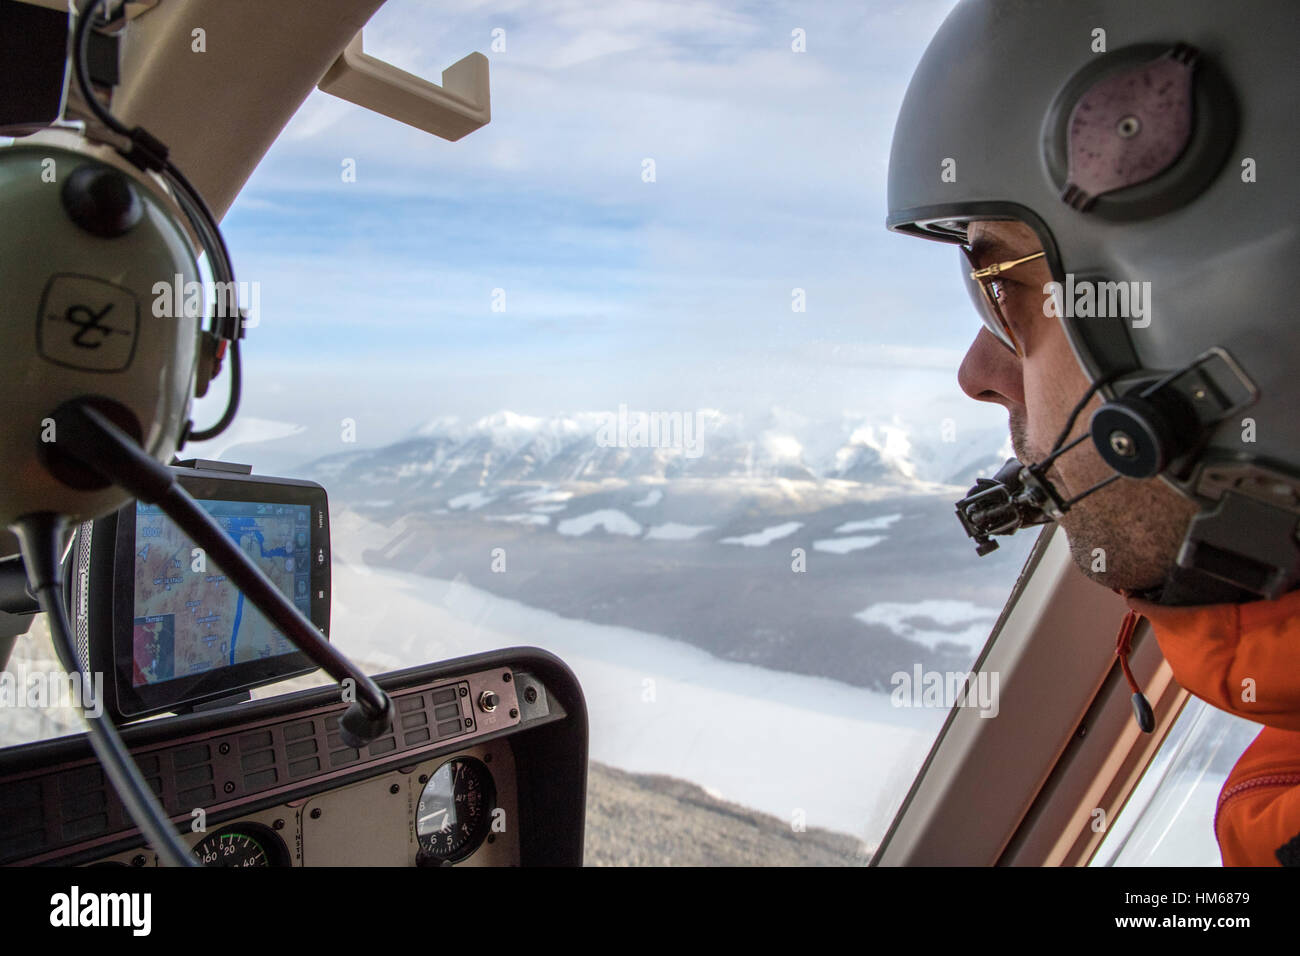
(88, 440)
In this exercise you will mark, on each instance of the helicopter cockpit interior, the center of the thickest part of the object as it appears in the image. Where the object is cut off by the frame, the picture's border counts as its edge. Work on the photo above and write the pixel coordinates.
(213, 620)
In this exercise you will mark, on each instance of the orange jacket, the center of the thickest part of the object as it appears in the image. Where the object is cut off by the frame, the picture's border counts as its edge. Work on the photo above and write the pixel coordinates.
(1245, 659)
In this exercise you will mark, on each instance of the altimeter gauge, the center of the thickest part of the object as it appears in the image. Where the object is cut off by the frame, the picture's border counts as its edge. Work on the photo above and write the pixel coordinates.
(455, 811)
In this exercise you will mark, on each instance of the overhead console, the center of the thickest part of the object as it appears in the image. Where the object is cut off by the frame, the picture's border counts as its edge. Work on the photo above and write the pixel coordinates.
(485, 765)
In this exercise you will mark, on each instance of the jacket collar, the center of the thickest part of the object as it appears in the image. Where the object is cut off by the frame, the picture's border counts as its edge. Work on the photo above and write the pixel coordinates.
(1240, 657)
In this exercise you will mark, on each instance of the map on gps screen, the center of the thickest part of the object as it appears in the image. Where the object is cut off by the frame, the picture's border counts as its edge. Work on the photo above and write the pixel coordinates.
(189, 617)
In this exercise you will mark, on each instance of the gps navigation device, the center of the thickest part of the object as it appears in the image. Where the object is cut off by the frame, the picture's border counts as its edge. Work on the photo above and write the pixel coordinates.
(163, 623)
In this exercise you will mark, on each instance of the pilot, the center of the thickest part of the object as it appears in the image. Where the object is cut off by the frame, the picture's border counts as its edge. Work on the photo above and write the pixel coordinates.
(1119, 181)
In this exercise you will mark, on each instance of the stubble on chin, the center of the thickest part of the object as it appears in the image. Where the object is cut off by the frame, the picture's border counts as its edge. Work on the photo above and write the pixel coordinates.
(1027, 456)
(1019, 436)
(1125, 535)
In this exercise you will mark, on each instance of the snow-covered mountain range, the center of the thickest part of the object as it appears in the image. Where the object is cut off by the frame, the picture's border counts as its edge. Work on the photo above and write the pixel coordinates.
(454, 456)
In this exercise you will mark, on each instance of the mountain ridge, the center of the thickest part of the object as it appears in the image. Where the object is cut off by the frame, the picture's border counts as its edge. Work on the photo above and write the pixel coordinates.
(452, 456)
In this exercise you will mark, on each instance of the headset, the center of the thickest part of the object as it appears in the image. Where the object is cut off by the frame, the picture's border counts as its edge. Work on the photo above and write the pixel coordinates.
(108, 221)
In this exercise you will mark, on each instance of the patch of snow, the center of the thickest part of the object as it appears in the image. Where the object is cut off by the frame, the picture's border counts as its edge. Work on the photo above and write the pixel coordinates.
(539, 496)
(909, 619)
(760, 538)
(870, 524)
(614, 522)
(845, 545)
(676, 532)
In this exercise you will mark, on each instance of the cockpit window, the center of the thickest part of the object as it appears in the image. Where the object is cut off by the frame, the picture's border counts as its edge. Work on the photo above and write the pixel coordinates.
(635, 374)
(1169, 818)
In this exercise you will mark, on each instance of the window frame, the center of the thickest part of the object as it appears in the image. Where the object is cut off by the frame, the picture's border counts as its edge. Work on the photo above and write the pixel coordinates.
(1022, 789)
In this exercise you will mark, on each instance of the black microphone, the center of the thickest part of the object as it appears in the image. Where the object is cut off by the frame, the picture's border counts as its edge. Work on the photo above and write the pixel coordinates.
(1002, 504)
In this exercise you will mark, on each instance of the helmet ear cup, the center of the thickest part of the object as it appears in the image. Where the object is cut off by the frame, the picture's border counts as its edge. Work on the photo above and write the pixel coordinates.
(1139, 435)
(1170, 183)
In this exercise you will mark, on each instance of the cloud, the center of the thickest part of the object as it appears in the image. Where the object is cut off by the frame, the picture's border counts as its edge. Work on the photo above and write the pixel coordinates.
(377, 295)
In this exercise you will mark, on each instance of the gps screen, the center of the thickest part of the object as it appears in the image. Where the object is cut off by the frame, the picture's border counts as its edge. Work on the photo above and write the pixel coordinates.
(189, 618)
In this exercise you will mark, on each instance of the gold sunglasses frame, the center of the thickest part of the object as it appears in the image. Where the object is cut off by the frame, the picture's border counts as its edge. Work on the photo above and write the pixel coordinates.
(985, 277)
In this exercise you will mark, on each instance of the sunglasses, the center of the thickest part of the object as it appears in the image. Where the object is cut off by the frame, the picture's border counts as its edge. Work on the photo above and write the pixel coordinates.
(989, 293)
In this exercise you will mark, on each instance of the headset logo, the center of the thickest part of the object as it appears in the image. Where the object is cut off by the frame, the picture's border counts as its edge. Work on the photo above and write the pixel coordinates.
(87, 323)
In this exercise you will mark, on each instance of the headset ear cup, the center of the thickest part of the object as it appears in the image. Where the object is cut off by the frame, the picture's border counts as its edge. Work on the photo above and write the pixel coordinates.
(83, 316)
(1138, 436)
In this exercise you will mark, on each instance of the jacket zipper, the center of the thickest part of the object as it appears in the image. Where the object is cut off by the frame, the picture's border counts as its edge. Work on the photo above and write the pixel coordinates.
(1265, 780)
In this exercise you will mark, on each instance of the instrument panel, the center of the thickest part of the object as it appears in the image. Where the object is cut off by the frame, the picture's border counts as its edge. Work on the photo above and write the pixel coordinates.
(449, 811)
(485, 765)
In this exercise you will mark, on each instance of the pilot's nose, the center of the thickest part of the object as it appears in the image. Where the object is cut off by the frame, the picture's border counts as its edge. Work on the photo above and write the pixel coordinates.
(991, 373)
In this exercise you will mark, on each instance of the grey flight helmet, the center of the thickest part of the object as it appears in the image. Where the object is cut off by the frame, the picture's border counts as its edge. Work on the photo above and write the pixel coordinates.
(1143, 142)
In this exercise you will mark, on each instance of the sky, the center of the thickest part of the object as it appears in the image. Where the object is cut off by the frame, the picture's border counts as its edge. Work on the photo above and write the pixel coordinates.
(376, 295)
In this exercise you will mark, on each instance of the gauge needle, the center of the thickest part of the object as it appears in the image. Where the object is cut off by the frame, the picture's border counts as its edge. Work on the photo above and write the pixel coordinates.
(435, 813)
